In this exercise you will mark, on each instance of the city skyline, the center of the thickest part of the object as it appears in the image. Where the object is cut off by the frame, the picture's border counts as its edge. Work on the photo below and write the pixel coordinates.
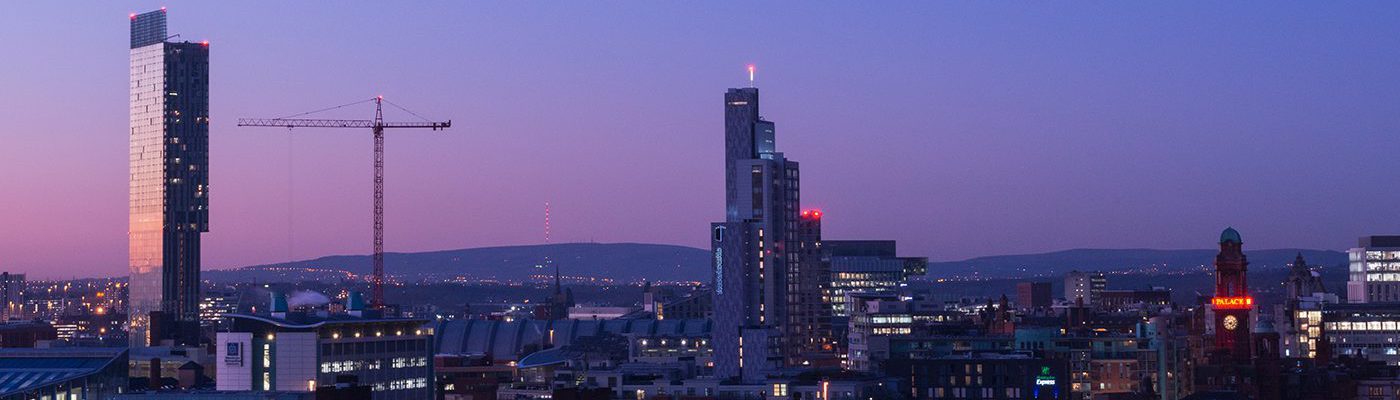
(981, 158)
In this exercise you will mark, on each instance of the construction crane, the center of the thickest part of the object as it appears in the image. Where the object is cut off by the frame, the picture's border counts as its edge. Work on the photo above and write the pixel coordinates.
(377, 126)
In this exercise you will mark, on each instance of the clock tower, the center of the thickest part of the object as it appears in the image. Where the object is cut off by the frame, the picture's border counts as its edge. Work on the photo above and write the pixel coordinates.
(1232, 302)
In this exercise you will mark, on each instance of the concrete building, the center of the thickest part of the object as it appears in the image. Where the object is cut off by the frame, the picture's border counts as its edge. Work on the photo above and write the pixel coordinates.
(169, 181)
(1084, 286)
(300, 352)
(875, 317)
(1374, 270)
(1033, 295)
(1302, 333)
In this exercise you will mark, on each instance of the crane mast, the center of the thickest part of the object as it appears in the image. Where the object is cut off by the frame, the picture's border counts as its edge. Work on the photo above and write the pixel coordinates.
(377, 126)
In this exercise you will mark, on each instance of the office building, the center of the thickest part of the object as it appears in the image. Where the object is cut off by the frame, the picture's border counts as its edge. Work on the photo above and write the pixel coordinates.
(753, 249)
(1084, 286)
(875, 317)
(1033, 295)
(1302, 333)
(169, 181)
(867, 265)
(1375, 270)
(809, 334)
(11, 296)
(215, 304)
(300, 352)
(1370, 330)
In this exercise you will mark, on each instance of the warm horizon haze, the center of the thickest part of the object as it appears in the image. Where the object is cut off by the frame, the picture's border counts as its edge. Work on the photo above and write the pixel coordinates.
(959, 129)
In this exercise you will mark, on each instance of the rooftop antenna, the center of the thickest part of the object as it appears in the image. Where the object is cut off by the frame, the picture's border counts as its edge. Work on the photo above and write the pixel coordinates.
(751, 75)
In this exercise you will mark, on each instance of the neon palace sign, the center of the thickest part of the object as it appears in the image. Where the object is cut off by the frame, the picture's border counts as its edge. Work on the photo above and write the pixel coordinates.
(1241, 302)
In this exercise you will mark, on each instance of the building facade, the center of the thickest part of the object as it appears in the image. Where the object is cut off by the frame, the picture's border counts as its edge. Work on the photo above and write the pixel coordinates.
(1084, 286)
(300, 353)
(875, 317)
(11, 296)
(867, 265)
(1370, 331)
(1374, 274)
(811, 340)
(984, 376)
(1033, 295)
(169, 182)
(215, 304)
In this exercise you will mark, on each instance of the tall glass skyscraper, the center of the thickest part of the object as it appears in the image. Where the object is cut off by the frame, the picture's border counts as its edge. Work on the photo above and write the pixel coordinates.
(169, 182)
(754, 249)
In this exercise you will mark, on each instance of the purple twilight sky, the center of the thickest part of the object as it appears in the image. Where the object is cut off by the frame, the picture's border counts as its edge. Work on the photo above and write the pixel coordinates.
(960, 129)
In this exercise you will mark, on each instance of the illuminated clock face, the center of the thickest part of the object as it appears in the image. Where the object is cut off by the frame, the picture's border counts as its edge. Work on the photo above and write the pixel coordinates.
(1231, 322)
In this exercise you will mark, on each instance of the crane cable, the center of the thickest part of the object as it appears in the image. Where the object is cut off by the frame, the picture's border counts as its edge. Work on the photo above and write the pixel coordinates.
(328, 108)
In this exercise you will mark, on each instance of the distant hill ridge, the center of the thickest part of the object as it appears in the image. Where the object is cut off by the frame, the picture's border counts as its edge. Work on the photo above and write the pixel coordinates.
(1060, 262)
(623, 262)
(633, 262)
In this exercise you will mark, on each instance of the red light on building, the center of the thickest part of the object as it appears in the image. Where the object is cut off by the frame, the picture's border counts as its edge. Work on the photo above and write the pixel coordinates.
(205, 43)
(812, 214)
(1244, 302)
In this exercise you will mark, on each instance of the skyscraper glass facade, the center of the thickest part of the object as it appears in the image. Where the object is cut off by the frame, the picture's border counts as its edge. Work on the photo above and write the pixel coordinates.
(169, 179)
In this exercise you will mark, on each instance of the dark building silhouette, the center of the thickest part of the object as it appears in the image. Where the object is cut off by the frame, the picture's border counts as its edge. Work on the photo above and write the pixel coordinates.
(1302, 280)
(1033, 295)
(1232, 302)
(811, 340)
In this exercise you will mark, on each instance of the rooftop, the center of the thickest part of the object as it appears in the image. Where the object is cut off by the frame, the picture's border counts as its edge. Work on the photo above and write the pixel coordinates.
(1230, 235)
(26, 369)
(309, 321)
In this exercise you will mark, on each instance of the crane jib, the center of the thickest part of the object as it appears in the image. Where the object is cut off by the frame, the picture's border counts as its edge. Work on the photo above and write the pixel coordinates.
(378, 125)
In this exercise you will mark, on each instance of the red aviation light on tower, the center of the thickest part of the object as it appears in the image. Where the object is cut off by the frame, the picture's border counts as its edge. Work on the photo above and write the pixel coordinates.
(814, 214)
(751, 68)
(1233, 303)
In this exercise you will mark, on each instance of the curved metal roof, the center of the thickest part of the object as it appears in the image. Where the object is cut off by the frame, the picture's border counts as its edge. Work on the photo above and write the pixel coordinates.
(506, 340)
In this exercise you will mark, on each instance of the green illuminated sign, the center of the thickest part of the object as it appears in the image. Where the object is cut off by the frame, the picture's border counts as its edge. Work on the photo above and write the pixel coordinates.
(1045, 378)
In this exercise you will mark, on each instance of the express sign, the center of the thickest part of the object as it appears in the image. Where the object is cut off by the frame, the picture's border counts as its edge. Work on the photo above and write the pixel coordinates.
(1233, 302)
